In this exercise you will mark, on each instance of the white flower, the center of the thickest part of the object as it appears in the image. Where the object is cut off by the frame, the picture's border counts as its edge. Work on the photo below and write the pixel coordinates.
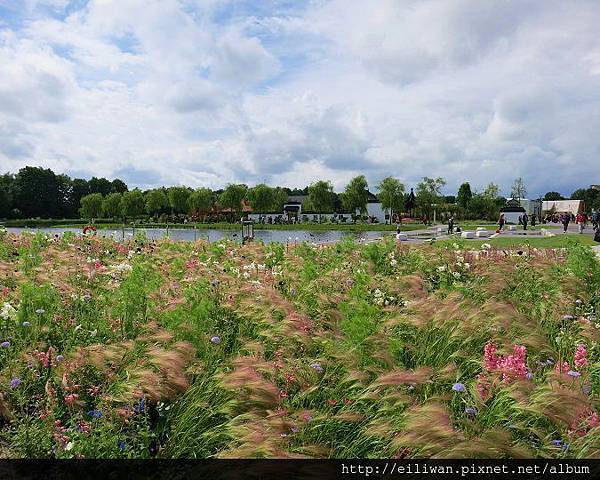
(441, 268)
(486, 246)
(8, 311)
(456, 274)
(467, 266)
(122, 268)
(393, 262)
(69, 446)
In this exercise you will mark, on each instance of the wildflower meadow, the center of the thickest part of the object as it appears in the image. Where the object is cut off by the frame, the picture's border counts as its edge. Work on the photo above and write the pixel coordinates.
(217, 350)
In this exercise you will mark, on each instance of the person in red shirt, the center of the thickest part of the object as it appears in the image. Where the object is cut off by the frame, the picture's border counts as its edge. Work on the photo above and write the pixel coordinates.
(580, 220)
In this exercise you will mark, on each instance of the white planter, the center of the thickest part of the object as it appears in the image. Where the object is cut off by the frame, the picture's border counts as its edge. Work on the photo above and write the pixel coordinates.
(482, 234)
(468, 234)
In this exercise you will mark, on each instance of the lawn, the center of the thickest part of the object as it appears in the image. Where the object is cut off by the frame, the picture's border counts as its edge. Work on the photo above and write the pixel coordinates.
(178, 349)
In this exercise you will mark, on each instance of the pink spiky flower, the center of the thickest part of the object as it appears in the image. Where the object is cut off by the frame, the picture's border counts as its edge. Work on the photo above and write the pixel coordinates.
(581, 356)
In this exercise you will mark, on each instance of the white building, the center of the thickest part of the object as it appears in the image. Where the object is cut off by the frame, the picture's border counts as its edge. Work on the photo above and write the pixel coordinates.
(564, 206)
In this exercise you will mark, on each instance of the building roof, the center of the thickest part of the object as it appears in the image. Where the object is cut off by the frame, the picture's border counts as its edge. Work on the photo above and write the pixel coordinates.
(298, 199)
(372, 198)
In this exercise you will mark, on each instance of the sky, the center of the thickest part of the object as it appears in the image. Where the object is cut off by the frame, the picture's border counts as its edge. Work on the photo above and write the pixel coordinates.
(210, 92)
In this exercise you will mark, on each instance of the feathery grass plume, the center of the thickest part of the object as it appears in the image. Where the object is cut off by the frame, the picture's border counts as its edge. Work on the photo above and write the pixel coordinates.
(402, 377)
(559, 404)
(492, 443)
(427, 430)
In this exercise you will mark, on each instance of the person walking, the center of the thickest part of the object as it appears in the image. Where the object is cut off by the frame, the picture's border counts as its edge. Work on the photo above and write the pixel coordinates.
(566, 219)
(525, 220)
(501, 223)
(580, 220)
(533, 220)
(451, 225)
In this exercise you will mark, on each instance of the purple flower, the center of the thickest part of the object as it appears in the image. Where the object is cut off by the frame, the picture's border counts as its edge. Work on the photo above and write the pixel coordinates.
(295, 429)
(60, 358)
(317, 367)
(26, 324)
(529, 375)
(349, 282)
(141, 406)
(459, 387)
(586, 389)
(568, 317)
(5, 344)
(95, 413)
(121, 445)
(15, 382)
(471, 411)
(573, 373)
(557, 442)
(565, 446)
(216, 340)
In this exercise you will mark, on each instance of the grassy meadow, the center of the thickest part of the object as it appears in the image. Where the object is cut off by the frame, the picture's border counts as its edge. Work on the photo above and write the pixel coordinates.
(177, 349)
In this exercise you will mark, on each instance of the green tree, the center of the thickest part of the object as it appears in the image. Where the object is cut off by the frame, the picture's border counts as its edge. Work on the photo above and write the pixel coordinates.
(35, 192)
(91, 206)
(553, 196)
(590, 197)
(391, 195)
(491, 191)
(518, 190)
(178, 199)
(232, 198)
(132, 204)
(99, 185)
(64, 192)
(261, 198)
(464, 195)
(118, 186)
(355, 195)
(201, 200)
(321, 197)
(111, 205)
(156, 201)
(429, 193)
(80, 189)
(280, 198)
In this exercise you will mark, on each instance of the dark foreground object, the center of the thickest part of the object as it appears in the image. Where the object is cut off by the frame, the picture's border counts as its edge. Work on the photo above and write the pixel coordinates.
(296, 469)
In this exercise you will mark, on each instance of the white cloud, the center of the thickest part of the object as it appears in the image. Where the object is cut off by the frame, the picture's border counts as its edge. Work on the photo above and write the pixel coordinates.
(205, 93)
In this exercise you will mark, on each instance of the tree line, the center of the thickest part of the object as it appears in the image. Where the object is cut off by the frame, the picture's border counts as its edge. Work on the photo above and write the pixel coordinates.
(35, 192)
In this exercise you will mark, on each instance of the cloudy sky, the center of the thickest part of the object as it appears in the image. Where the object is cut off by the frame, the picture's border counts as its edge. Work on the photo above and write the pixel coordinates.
(207, 92)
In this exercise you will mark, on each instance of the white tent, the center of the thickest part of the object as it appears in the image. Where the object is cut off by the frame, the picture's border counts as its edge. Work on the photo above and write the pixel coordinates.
(571, 206)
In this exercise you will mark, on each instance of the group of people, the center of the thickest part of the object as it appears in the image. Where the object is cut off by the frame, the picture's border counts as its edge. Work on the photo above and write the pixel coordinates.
(565, 218)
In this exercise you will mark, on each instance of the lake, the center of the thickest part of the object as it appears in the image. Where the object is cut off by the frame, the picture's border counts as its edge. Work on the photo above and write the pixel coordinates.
(214, 235)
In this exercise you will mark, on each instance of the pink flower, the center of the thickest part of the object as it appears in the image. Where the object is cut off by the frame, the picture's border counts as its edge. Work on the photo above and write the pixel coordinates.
(580, 356)
(510, 367)
(564, 368)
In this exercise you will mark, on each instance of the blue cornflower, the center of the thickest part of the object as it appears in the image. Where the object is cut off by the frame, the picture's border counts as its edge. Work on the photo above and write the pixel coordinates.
(15, 382)
(565, 446)
(140, 407)
(317, 367)
(557, 442)
(95, 413)
(5, 344)
(459, 387)
(121, 445)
